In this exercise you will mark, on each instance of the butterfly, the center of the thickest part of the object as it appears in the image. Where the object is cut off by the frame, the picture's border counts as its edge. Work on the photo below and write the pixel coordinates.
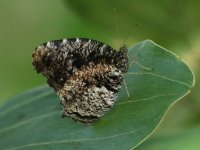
(86, 74)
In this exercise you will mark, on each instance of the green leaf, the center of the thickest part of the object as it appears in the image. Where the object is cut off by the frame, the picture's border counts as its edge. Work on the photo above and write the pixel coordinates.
(156, 79)
(185, 140)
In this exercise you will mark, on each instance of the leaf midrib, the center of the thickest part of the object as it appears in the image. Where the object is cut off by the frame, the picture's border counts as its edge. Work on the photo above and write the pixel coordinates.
(80, 140)
(52, 113)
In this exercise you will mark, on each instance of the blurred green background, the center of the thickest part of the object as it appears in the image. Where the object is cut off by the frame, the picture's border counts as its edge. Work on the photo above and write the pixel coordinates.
(175, 25)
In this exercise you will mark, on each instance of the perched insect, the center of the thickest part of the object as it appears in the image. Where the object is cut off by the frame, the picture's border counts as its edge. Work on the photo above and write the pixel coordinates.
(85, 73)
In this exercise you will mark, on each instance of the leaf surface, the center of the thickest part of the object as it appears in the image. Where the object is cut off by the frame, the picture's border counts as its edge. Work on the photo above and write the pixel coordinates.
(156, 79)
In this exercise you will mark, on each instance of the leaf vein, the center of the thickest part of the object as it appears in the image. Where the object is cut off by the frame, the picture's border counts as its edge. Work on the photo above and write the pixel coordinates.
(148, 98)
(81, 140)
(26, 102)
(27, 121)
(160, 76)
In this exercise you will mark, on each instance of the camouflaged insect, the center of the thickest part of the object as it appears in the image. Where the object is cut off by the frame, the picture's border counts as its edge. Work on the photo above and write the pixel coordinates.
(85, 73)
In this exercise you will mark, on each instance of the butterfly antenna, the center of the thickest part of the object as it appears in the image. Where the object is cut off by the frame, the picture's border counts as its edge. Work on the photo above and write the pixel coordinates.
(116, 24)
(128, 35)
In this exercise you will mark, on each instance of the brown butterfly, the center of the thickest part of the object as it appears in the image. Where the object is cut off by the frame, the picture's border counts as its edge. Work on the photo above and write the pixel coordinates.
(85, 73)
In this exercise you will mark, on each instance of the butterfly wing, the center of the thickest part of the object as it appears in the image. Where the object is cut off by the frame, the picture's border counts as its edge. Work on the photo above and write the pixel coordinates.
(85, 73)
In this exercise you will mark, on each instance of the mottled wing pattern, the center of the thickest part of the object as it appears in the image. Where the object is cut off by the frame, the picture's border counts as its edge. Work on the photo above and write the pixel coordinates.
(85, 73)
